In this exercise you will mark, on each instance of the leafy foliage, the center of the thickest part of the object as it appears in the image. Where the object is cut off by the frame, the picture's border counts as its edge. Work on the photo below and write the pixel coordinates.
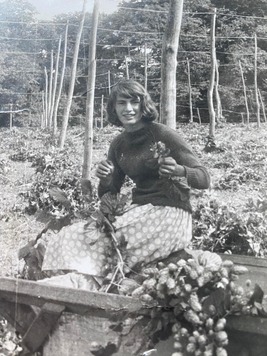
(258, 8)
(236, 178)
(9, 344)
(221, 229)
(58, 189)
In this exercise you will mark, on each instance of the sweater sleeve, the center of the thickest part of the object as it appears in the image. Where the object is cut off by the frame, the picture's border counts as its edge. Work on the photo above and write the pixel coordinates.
(196, 174)
(118, 175)
(197, 177)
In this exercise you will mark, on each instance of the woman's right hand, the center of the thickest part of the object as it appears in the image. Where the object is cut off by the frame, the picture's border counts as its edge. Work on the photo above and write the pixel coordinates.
(105, 169)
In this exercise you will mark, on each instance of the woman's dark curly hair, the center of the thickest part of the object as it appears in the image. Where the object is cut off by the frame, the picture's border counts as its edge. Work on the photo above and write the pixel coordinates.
(128, 88)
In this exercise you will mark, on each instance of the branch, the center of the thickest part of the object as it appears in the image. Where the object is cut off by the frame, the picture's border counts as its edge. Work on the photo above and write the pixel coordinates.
(13, 111)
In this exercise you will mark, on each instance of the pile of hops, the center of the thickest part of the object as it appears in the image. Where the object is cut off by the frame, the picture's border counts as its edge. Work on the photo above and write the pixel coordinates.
(193, 296)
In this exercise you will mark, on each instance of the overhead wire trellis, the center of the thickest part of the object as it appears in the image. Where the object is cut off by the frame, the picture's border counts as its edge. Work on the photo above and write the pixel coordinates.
(112, 55)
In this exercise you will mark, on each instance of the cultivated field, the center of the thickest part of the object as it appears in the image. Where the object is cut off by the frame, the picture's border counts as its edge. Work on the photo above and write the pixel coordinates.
(234, 206)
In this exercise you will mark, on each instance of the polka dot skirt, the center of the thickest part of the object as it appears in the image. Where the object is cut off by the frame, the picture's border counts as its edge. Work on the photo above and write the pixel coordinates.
(151, 232)
(79, 247)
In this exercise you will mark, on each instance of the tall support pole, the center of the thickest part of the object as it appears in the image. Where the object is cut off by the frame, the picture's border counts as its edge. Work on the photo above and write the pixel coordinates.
(189, 91)
(10, 116)
(262, 106)
(46, 97)
(43, 111)
(244, 90)
(218, 113)
(61, 81)
(50, 88)
(127, 68)
(198, 115)
(102, 111)
(72, 80)
(88, 140)
(212, 78)
(169, 64)
(145, 66)
(51, 115)
(256, 83)
(109, 82)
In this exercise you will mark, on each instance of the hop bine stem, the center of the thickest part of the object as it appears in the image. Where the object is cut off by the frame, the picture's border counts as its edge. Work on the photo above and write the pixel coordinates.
(119, 267)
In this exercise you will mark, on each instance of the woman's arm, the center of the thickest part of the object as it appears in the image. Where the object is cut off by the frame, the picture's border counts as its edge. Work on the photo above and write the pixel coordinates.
(197, 177)
(182, 162)
(110, 174)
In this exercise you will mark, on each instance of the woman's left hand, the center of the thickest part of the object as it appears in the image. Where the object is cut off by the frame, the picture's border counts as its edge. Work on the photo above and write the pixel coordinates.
(168, 168)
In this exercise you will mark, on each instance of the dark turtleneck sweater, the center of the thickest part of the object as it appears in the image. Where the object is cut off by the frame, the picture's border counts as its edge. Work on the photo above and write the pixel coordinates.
(131, 154)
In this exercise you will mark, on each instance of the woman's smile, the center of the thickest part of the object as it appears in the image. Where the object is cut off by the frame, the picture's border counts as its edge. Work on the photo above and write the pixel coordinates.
(129, 112)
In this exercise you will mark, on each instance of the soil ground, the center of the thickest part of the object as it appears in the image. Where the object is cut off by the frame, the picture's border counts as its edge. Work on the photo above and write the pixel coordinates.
(242, 148)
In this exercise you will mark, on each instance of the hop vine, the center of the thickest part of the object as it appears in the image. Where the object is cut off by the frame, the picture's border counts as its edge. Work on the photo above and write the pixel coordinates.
(193, 297)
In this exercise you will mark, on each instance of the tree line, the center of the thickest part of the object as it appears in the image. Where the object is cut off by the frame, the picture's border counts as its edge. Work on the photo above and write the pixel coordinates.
(129, 43)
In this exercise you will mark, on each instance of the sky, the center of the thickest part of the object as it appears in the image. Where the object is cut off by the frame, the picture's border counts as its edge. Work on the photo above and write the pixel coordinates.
(49, 8)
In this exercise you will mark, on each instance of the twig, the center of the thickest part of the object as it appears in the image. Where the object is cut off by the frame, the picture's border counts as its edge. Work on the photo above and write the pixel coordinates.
(114, 239)
(19, 227)
(80, 134)
(113, 279)
(2, 175)
(118, 252)
(119, 267)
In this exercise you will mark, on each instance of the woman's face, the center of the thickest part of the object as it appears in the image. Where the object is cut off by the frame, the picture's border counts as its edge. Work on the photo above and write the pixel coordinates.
(129, 112)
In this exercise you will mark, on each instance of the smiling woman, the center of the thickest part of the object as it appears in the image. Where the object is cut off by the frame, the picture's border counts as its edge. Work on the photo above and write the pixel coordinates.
(158, 222)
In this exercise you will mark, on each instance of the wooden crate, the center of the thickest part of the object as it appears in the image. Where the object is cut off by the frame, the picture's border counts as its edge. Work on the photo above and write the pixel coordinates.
(64, 321)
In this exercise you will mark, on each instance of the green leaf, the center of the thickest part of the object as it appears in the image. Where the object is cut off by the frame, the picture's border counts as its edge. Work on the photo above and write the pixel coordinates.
(217, 299)
(25, 250)
(113, 204)
(257, 295)
(87, 188)
(61, 197)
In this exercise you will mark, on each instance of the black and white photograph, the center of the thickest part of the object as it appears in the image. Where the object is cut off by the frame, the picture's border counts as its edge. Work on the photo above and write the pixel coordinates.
(133, 165)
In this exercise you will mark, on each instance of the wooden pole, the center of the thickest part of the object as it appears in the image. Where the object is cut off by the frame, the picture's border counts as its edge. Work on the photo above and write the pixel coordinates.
(43, 113)
(46, 97)
(55, 85)
(212, 78)
(245, 91)
(61, 80)
(262, 106)
(256, 83)
(109, 82)
(198, 115)
(169, 64)
(102, 111)
(189, 91)
(127, 67)
(72, 80)
(88, 140)
(10, 116)
(145, 66)
(42, 120)
(50, 89)
(218, 114)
